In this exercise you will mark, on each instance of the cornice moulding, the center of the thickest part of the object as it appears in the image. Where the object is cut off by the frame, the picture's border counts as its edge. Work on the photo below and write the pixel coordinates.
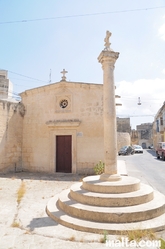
(64, 122)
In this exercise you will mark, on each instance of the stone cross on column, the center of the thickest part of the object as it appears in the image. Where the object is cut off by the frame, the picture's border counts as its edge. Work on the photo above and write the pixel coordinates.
(106, 40)
(108, 58)
(63, 77)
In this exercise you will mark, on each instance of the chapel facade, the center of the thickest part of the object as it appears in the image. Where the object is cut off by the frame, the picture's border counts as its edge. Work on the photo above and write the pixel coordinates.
(63, 127)
(55, 128)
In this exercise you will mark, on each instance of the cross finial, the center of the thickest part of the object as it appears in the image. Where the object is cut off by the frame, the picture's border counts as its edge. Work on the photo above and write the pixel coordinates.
(63, 76)
(107, 43)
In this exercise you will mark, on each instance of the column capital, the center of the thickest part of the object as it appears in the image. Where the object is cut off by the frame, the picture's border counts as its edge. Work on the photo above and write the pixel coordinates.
(108, 56)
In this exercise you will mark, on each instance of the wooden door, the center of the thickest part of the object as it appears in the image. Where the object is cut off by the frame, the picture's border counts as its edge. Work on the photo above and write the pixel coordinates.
(64, 153)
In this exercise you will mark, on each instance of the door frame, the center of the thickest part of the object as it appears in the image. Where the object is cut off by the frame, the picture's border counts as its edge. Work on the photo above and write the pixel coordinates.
(58, 132)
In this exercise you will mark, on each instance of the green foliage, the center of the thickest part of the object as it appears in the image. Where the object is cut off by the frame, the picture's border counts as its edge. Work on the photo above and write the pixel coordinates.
(140, 234)
(99, 168)
(162, 244)
(20, 193)
(104, 239)
(15, 224)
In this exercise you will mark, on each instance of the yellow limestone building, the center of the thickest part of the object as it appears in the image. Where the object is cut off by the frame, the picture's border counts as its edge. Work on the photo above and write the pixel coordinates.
(63, 127)
(55, 128)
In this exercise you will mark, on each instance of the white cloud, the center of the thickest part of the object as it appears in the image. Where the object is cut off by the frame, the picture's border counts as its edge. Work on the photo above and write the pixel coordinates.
(161, 31)
(151, 93)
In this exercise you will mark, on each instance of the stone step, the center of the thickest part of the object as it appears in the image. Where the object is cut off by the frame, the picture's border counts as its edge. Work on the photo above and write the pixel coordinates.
(125, 185)
(135, 213)
(53, 211)
(143, 195)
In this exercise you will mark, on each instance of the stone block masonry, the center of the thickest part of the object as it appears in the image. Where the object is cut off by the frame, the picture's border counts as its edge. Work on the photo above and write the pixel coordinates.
(11, 124)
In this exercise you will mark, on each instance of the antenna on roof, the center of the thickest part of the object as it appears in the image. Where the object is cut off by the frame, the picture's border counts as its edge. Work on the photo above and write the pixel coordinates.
(50, 74)
(139, 101)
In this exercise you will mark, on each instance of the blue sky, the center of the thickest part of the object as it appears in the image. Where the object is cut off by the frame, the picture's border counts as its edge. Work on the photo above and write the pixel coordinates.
(40, 35)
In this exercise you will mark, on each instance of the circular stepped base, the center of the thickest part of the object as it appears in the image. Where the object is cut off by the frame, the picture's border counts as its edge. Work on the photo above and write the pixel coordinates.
(143, 195)
(135, 213)
(53, 211)
(124, 205)
(125, 185)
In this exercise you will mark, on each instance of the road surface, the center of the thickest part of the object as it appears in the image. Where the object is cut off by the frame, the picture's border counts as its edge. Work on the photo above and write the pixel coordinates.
(147, 168)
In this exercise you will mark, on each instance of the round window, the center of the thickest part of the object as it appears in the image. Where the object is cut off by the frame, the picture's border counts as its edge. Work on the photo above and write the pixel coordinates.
(63, 103)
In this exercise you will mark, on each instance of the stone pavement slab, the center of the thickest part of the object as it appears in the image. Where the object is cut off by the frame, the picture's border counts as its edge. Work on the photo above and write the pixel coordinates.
(27, 226)
(121, 167)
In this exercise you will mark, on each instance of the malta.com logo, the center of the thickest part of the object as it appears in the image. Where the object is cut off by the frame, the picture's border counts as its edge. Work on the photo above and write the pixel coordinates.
(125, 243)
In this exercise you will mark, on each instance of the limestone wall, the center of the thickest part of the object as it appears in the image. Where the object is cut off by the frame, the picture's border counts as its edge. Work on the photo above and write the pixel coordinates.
(134, 137)
(123, 125)
(123, 139)
(10, 136)
(45, 119)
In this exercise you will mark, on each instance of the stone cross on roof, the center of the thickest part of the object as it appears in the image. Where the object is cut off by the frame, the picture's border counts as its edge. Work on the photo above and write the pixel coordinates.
(63, 76)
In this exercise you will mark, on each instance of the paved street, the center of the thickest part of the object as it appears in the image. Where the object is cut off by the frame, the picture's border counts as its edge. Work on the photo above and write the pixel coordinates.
(25, 225)
(147, 168)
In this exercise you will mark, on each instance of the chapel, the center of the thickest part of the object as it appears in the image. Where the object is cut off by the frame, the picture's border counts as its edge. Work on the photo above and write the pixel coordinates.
(54, 128)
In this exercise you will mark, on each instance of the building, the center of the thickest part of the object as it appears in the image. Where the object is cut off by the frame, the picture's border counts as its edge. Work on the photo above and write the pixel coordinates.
(6, 87)
(145, 134)
(159, 126)
(55, 128)
(123, 132)
(134, 137)
(123, 125)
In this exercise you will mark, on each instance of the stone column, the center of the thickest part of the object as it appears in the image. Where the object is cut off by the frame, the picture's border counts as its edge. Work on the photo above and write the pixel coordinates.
(108, 58)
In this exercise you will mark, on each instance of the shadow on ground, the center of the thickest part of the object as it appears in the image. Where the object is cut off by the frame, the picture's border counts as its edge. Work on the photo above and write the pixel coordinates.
(41, 222)
(43, 176)
(152, 152)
